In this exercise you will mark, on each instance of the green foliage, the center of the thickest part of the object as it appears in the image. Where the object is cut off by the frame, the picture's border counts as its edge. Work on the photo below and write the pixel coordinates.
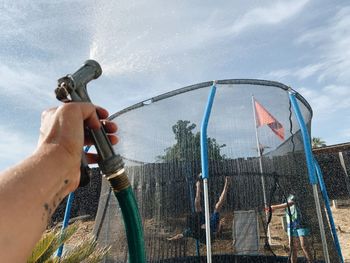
(45, 249)
(187, 146)
(85, 252)
(49, 243)
(317, 142)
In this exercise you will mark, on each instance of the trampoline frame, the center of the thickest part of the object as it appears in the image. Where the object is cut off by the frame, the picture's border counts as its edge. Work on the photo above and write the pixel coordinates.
(314, 180)
(207, 84)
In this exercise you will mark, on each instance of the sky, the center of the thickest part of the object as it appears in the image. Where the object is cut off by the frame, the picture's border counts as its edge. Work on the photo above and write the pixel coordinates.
(150, 47)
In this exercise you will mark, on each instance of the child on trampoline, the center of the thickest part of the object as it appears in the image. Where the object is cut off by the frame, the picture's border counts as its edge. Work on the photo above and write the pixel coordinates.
(296, 229)
(195, 225)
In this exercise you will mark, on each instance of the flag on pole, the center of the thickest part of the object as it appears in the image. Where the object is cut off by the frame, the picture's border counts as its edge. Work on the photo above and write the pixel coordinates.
(264, 117)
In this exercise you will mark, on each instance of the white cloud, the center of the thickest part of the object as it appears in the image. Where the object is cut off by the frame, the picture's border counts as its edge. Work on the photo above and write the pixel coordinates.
(330, 105)
(176, 37)
(275, 13)
(279, 73)
(345, 133)
(10, 15)
(325, 76)
(300, 73)
(332, 42)
(24, 88)
(14, 146)
(329, 45)
(309, 70)
(328, 100)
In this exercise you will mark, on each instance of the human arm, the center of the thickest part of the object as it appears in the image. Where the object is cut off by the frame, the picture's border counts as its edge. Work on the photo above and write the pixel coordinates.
(187, 232)
(176, 237)
(279, 206)
(31, 190)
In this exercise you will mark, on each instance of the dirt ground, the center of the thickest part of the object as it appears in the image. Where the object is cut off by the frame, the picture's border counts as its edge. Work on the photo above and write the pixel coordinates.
(342, 221)
(224, 243)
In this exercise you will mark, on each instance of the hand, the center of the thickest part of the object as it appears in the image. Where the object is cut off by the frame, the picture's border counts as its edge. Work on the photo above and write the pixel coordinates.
(63, 130)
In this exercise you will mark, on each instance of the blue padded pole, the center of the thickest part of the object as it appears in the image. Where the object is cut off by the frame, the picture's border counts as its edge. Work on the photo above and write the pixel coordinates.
(311, 170)
(204, 165)
(67, 213)
(203, 137)
(306, 139)
(328, 208)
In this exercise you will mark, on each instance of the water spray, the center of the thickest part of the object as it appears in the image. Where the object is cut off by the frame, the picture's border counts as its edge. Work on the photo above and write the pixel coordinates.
(74, 88)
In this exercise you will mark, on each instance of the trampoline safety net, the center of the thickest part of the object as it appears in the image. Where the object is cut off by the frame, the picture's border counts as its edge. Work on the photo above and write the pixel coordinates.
(256, 160)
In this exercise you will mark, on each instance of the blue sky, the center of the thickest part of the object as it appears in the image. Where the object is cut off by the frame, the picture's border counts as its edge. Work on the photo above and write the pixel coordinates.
(150, 47)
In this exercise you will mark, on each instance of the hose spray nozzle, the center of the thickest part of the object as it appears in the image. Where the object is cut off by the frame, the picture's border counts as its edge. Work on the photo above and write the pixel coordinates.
(73, 88)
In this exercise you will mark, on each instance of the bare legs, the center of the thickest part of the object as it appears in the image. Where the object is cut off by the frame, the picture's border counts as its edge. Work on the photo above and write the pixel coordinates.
(218, 205)
(304, 246)
(293, 244)
(222, 198)
(198, 208)
(197, 199)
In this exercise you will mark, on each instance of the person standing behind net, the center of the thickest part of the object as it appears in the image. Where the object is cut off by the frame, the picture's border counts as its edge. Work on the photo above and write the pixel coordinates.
(296, 228)
(195, 222)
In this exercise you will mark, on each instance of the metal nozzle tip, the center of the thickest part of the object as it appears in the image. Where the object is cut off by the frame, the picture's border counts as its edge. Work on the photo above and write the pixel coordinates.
(95, 65)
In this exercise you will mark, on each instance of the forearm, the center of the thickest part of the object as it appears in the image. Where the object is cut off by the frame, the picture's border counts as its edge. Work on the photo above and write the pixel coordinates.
(282, 206)
(25, 217)
(176, 237)
(31, 191)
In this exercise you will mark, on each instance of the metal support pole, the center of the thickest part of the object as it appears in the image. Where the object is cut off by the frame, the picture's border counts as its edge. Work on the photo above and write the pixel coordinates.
(262, 177)
(320, 223)
(328, 208)
(311, 170)
(204, 165)
(342, 162)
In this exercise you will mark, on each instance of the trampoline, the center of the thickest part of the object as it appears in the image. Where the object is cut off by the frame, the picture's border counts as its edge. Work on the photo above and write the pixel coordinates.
(255, 142)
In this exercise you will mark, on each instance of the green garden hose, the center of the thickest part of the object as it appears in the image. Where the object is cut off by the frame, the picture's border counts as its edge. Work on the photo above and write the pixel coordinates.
(133, 225)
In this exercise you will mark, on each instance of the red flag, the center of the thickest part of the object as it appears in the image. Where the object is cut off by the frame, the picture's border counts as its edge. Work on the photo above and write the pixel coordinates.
(264, 117)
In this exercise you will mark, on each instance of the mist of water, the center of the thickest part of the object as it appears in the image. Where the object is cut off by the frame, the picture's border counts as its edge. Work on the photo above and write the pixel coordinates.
(121, 40)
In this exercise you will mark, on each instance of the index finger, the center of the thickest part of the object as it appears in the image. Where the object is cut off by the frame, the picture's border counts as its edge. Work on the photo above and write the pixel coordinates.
(101, 112)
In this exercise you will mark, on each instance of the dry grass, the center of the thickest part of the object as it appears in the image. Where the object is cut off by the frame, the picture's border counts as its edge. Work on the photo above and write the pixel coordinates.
(224, 243)
(83, 232)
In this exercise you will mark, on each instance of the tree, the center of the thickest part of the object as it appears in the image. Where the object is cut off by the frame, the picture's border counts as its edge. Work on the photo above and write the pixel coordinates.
(187, 146)
(317, 142)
